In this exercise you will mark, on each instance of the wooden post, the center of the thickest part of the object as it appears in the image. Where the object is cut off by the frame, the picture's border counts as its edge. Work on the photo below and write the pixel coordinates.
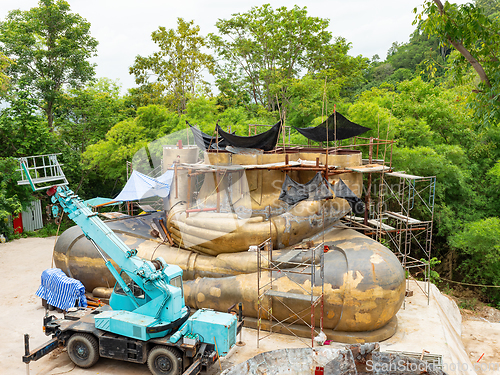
(176, 181)
(326, 165)
(335, 124)
(390, 162)
(312, 324)
(188, 200)
(370, 151)
(368, 191)
(128, 203)
(283, 130)
(217, 181)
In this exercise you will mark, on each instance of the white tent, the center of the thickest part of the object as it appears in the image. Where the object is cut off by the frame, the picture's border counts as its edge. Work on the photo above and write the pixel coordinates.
(140, 186)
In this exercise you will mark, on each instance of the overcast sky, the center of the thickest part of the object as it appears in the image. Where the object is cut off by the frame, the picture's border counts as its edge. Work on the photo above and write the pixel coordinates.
(123, 27)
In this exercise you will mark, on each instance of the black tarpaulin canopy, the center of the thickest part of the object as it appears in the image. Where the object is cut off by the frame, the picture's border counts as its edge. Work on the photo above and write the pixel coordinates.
(265, 141)
(205, 141)
(344, 129)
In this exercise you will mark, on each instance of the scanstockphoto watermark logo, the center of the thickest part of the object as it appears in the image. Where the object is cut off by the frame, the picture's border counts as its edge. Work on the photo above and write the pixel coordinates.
(422, 367)
(484, 367)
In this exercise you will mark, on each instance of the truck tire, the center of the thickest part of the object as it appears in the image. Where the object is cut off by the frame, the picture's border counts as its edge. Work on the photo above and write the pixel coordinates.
(83, 350)
(164, 360)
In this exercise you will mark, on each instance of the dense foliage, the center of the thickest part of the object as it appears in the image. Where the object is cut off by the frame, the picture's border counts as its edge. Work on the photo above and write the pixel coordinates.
(479, 243)
(268, 64)
(474, 31)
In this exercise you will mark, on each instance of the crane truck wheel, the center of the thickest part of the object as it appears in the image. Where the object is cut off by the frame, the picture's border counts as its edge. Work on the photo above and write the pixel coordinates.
(163, 360)
(83, 350)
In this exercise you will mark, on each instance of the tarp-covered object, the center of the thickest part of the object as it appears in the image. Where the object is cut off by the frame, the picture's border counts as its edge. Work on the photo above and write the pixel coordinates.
(205, 141)
(341, 190)
(344, 129)
(316, 189)
(60, 290)
(265, 141)
(140, 186)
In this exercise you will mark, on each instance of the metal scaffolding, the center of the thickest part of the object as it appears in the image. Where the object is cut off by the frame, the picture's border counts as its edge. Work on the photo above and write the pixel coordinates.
(405, 198)
(270, 270)
(392, 211)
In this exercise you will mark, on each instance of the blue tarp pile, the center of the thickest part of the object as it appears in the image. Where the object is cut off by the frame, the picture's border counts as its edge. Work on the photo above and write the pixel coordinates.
(60, 290)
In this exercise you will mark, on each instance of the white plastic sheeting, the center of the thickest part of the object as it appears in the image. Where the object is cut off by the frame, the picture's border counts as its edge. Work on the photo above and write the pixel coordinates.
(458, 362)
(140, 186)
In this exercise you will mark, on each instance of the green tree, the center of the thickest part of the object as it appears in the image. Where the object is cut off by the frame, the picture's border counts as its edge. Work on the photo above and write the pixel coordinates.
(50, 47)
(83, 117)
(490, 7)
(312, 98)
(5, 62)
(23, 130)
(267, 49)
(421, 56)
(442, 110)
(335, 65)
(86, 115)
(495, 173)
(420, 49)
(173, 73)
(109, 156)
(232, 91)
(476, 37)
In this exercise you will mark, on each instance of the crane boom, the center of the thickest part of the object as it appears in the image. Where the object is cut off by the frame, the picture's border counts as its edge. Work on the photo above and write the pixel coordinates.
(150, 303)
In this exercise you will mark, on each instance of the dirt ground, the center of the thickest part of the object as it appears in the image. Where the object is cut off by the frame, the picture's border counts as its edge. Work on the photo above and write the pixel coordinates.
(480, 332)
(481, 337)
(22, 262)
